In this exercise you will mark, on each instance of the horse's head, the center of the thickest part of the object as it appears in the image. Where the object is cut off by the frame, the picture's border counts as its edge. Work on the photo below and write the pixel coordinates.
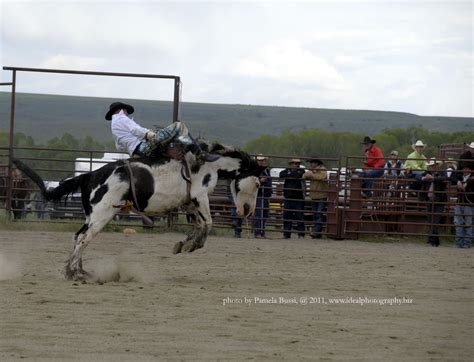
(243, 171)
(245, 186)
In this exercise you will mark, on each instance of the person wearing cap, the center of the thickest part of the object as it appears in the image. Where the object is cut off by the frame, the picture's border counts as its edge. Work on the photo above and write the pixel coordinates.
(263, 198)
(138, 141)
(463, 179)
(433, 193)
(393, 169)
(318, 192)
(415, 164)
(294, 194)
(373, 165)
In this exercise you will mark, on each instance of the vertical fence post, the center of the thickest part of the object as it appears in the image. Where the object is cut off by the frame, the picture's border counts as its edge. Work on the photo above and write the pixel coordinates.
(8, 201)
(176, 100)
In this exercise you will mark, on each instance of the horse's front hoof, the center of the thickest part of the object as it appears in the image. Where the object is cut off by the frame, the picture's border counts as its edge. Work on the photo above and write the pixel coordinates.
(178, 247)
(189, 246)
(69, 274)
(84, 275)
(76, 275)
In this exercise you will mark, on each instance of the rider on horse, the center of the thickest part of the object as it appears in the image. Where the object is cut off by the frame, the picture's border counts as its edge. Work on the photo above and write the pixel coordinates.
(138, 141)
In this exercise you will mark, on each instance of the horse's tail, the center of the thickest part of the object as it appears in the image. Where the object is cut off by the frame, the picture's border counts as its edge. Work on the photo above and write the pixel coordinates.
(64, 188)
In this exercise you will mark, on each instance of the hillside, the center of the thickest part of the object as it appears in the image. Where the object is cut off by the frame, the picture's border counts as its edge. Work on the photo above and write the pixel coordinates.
(45, 116)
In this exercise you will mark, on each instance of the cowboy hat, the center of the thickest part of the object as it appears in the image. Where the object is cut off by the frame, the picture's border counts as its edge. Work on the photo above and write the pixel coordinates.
(368, 140)
(114, 107)
(471, 145)
(261, 157)
(432, 162)
(419, 143)
(451, 163)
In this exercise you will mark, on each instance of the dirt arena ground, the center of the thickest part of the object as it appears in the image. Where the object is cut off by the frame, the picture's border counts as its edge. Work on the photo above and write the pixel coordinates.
(234, 300)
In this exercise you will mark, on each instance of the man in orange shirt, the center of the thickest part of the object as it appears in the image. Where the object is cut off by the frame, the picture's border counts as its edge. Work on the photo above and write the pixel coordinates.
(373, 165)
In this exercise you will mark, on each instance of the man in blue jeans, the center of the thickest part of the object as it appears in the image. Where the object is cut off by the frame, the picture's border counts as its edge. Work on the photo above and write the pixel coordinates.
(263, 198)
(373, 165)
(433, 193)
(464, 208)
(236, 221)
(294, 194)
(464, 211)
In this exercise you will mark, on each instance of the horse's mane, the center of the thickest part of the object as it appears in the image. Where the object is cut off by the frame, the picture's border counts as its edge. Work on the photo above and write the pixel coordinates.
(220, 149)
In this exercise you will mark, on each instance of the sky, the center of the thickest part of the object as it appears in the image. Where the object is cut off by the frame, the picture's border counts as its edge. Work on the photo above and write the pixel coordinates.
(410, 56)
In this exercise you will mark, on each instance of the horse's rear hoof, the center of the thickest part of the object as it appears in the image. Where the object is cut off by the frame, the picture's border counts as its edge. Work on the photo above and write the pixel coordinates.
(68, 273)
(178, 247)
(189, 246)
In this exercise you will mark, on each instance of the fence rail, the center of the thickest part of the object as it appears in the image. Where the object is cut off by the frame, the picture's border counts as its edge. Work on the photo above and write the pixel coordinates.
(392, 207)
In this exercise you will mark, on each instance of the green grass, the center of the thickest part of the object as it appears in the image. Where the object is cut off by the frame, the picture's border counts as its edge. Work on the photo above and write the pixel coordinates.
(31, 223)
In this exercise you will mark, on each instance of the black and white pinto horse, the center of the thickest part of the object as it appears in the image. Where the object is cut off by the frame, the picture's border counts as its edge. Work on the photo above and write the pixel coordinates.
(159, 186)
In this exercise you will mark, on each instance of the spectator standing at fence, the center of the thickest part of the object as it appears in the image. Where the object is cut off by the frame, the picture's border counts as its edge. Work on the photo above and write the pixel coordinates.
(416, 163)
(40, 205)
(318, 191)
(236, 221)
(294, 194)
(463, 178)
(467, 157)
(263, 198)
(373, 165)
(433, 194)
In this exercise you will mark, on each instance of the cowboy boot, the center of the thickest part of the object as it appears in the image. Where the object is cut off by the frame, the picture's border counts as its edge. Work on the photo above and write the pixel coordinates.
(179, 131)
(190, 144)
(165, 135)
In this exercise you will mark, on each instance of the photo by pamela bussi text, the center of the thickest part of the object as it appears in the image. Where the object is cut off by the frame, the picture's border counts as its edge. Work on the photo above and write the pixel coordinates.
(307, 300)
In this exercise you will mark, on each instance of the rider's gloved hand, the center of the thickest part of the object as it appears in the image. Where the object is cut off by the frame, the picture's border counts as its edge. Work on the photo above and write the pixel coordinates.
(150, 136)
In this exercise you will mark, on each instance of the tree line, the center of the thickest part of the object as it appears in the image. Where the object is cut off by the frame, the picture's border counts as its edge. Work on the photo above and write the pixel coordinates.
(307, 143)
(325, 144)
(61, 156)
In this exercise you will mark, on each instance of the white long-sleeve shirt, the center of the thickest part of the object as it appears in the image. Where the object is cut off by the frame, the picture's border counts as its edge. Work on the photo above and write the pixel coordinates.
(127, 133)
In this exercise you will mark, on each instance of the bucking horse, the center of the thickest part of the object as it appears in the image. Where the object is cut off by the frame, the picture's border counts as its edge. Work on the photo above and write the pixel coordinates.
(155, 186)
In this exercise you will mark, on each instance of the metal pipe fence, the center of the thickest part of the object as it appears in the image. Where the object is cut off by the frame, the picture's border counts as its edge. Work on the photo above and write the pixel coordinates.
(392, 206)
(9, 197)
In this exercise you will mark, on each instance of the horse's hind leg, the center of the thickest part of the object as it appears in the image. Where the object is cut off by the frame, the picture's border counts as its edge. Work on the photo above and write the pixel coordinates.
(70, 271)
(98, 219)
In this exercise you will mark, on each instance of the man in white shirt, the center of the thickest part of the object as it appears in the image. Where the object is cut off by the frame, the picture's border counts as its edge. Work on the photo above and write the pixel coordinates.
(138, 141)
